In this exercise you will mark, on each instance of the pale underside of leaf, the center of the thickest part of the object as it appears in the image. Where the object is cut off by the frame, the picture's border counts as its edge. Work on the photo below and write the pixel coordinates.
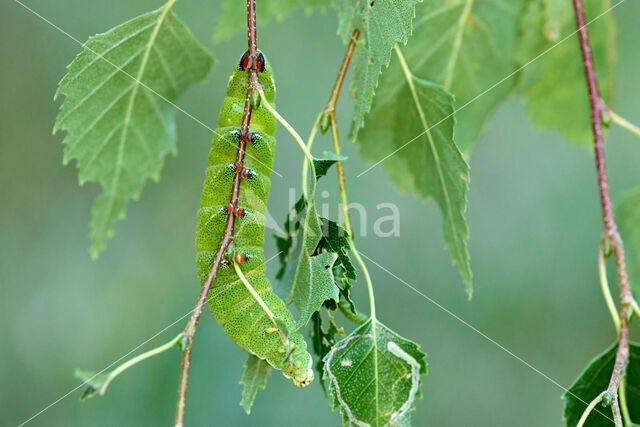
(254, 378)
(431, 165)
(309, 277)
(118, 110)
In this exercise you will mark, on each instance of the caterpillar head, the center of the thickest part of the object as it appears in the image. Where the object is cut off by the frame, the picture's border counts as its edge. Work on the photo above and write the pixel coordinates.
(299, 365)
(238, 83)
(298, 368)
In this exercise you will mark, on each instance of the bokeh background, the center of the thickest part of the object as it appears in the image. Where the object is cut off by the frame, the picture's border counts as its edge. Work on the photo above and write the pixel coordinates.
(533, 213)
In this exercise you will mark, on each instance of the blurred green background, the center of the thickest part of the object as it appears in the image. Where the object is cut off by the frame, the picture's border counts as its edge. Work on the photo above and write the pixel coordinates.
(533, 213)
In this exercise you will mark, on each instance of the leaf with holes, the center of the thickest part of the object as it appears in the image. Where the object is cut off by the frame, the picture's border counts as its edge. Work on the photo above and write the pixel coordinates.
(554, 85)
(382, 24)
(374, 376)
(306, 274)
(118, 110)
(323, 340)
(594, 380)
(412, 119)
(254, 378)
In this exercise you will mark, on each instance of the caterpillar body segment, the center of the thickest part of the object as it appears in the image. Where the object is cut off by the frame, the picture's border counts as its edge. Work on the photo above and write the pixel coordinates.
(243, 317)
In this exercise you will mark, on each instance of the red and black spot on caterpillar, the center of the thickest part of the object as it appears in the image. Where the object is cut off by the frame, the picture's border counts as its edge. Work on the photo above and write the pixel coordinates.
(245, 62)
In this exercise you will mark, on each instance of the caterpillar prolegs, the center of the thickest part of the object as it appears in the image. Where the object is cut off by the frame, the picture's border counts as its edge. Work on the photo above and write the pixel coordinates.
(242, 316)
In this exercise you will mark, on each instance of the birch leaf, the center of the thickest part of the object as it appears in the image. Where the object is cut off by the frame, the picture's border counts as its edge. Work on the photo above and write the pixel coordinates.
(118, 111)
(254, 378)
(430, 164)
(374, 376)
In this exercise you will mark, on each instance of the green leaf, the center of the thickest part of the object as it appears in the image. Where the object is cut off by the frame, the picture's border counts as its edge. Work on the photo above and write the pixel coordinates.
(117, 110)
(310, 293)
(431, 165)
(594, 380)
(307, 274)
(554, 85)
(382, 24)
(254, 378)
(96, 383)
(336, 239)
(322, 341)
(374, 376)
(285, 243)
(329, 159)
(627, 212)
(234, 14)
(467, 47)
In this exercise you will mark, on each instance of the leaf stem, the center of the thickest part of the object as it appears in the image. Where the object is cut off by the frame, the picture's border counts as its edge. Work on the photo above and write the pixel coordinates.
(623, 402)
(356, 317)
(305, 164)
(113, 374)
(330, 110)
(190, 329)
(622, 122)
(260, 301)
(604, 284)
(590, 407)
(288, 127)
(610, 227)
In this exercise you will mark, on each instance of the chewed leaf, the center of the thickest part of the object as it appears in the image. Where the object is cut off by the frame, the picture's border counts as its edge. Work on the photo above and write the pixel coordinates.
(336, 239)
(306, 275)
(374, 376)
(323, 340)
(594, 380)
(118, 110)
(254, 378)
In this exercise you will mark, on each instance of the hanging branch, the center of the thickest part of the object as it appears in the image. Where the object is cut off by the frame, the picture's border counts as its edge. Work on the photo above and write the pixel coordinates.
(190, 330)
(330, 112)
(611, 233)
(328, 119)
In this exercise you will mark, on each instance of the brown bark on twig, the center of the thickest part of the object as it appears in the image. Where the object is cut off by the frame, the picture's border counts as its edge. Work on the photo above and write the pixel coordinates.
(190, 330)
(330, 110)
(610, 227)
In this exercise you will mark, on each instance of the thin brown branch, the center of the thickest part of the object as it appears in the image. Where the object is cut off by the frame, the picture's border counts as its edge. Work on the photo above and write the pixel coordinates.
(330, 111)
(610, 226)
(190, 329)
(337, 86)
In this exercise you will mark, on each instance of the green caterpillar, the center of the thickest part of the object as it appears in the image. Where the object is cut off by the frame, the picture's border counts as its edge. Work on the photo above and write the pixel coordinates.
(243, 318)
